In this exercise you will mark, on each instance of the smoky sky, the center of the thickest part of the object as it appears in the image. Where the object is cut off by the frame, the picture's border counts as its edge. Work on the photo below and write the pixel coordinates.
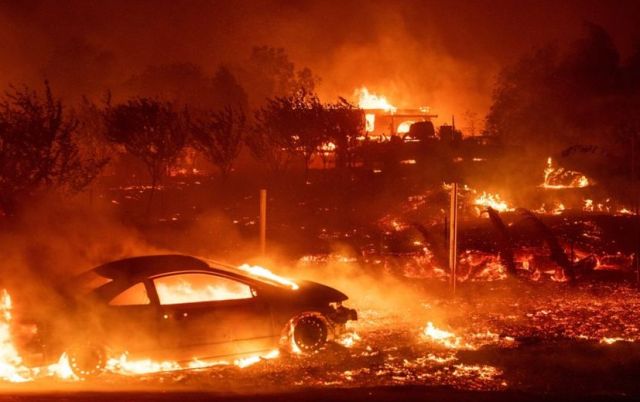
(444, 54)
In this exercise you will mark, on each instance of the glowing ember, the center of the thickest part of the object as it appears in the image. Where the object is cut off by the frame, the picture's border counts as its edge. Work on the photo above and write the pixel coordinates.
(559, 178)
(327, 147)
(348, 339)
(447, 339)
(558, 210)
(588, 205)
(264, 273)
(610, 341)
(249, 361)
(492, 200)
(123, 366)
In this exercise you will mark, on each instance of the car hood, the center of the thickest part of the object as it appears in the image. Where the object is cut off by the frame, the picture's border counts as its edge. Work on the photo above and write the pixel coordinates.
(318, 292)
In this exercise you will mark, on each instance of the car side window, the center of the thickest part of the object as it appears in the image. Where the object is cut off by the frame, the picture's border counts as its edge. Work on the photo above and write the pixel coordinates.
(195, 288)
(136, 295)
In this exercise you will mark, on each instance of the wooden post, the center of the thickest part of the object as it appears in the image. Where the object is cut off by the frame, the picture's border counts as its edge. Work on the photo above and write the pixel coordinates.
(263, 221)
(453, 235)
(636, 220)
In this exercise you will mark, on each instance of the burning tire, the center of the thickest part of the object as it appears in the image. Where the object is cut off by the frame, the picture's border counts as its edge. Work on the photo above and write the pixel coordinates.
(309, 333)
(87, 360)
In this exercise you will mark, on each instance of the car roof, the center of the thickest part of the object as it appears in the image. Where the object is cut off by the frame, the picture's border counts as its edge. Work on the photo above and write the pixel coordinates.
(149, 265)
(135, 269)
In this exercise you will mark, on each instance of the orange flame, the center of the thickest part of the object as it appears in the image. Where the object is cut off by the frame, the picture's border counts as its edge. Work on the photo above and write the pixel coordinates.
(444, 338)
(492, 200)
(367, 100)
(556, 178)
(261, 272)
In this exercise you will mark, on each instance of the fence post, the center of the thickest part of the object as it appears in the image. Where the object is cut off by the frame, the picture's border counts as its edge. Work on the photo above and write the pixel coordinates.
(263, 221)
(453, 235)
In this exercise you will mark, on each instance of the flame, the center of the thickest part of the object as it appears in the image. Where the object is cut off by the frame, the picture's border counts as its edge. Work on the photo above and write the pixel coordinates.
(369, 101)
(558, 210)
(327, 147)
(370, 122)
(588, 205)
(404, 127)
(190, 292)
(610, 341)
(348, 339)
(559, 178)
(122, 365)
(447, 339)
(11, 367)
(264, 273)
(492, 200)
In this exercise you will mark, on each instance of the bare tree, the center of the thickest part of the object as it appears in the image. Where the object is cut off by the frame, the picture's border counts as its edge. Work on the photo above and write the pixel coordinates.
(267, 140)
(269, 74)
(287, 126)
(91, 132)
(471, 121)
(219, 137)
(37, 148)
(150, 130)
(344, 123)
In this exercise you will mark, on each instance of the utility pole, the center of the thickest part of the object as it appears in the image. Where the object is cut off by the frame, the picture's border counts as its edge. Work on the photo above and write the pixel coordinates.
(453, 235)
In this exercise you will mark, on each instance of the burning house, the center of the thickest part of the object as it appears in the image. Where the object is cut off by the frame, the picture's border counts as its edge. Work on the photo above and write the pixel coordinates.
(384, 121)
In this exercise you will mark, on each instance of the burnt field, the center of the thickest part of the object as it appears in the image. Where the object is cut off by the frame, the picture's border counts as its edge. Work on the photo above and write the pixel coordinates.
(523, 333)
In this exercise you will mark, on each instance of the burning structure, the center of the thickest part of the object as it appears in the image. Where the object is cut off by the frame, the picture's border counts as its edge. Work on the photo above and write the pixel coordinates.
(383, 120)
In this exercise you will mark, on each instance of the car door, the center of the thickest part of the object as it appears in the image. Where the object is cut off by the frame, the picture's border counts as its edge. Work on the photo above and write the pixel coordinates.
(206, 315)
(131, 324)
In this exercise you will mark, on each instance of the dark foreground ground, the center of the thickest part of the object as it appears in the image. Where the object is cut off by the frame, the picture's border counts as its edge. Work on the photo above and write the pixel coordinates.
(413, 393)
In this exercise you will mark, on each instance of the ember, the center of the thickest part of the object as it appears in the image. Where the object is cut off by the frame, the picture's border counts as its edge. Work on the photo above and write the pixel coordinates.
(492, 200)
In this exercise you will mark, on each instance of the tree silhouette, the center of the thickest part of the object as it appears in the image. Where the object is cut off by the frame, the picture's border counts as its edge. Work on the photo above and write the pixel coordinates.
(344, 123)
(269, 74)
(37, 148)
(579, 102)
(227, 91)
(150, 130)
(219, 137)
(287, 126)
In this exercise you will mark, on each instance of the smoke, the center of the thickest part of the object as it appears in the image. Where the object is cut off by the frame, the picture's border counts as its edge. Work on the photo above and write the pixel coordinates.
(416, 53)
(55, 240)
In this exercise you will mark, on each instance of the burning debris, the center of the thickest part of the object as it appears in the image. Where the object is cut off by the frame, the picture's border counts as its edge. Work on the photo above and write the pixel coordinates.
(556, 178)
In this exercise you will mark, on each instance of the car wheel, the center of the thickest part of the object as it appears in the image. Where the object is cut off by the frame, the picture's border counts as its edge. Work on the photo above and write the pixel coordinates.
(87, 360)
(309, 333)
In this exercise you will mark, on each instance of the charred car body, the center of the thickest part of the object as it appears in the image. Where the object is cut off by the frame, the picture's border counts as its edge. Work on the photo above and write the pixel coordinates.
(181, 307)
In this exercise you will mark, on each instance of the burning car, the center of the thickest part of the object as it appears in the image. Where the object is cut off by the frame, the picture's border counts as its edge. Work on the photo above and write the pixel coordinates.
(183, 308)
